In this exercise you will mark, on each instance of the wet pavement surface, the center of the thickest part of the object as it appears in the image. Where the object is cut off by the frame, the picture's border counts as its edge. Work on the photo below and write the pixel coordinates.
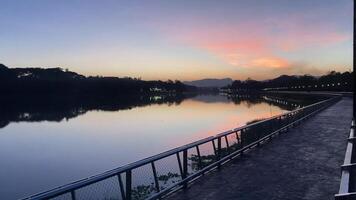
(303, 163)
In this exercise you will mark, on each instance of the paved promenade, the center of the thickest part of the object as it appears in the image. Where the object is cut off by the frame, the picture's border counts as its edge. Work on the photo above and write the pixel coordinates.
(303, 163)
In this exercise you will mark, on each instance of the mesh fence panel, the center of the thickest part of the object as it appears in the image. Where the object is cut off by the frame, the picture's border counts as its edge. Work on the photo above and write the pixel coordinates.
(248, 135)
(143, 183)
(233, 142)
(265, 129)
(292, 117)
(284, 120)
(108, 189)
(207, 154)
(224, 147)
(123, 179)
(192, 161)
(168, 172)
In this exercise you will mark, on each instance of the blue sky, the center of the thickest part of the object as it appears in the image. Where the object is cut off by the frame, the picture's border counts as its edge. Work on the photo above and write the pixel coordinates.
(178, 39)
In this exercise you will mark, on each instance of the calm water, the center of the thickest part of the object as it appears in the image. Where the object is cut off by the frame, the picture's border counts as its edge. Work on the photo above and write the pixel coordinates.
(41, 148)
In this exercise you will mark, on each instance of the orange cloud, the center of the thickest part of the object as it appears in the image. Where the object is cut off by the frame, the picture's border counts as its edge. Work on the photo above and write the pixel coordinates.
(273, 62)
(242, 60)
(246, 53)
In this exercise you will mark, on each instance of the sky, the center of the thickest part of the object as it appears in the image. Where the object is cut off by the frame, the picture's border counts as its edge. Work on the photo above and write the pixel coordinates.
(179, 39)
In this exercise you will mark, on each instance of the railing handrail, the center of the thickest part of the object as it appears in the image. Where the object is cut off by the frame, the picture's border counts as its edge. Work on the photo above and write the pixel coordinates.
(346, 168)
(110, 173)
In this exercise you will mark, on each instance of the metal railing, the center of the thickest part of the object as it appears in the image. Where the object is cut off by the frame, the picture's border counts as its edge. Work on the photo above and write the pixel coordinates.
(348, 169)
(162, 174)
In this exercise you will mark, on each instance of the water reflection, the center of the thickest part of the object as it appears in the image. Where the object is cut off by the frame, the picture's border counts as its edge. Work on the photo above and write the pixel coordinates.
(49, 108)
(59, 140)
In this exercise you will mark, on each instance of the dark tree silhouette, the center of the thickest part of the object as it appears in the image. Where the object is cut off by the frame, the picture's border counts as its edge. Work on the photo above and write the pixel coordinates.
(56, 81)
(333, 81)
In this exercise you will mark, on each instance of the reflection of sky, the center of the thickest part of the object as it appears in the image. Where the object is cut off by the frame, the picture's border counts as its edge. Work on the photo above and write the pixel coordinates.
(179, 39)
(41, 155)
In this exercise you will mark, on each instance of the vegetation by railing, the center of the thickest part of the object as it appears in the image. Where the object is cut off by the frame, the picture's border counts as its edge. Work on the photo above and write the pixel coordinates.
(348, 169)
(162, 174)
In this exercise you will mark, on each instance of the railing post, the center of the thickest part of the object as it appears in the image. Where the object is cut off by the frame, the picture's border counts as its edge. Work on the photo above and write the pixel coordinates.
(258, 133)
(242, 141)
(199, 158)
(287, 120)
(185, 167)
(121, 185)
(128, 184)
(227, 143)
(219, 152)
(155, 176)
(214, 147)
(180, 165)
(72, 194)
(238, 138)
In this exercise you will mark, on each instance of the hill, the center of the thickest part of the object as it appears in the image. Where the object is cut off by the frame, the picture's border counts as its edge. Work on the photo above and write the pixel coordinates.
(56, 81)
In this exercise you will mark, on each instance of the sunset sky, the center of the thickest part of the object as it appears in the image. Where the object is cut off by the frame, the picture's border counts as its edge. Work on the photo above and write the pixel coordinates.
(177, 39)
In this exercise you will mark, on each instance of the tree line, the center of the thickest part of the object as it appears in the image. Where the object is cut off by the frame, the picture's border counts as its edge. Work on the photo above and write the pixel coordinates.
(54, 81)
(332, 81)
(60, 81)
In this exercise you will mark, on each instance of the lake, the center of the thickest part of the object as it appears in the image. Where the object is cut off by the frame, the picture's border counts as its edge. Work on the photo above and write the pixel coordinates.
(43, 145)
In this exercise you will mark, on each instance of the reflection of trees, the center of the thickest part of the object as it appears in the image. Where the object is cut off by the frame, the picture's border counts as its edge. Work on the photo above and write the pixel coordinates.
(57, 108)
(3, 123)
(249, 99)
(54, 94)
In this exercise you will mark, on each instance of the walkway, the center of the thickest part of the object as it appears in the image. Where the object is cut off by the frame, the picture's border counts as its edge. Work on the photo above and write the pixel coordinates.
(303, 163)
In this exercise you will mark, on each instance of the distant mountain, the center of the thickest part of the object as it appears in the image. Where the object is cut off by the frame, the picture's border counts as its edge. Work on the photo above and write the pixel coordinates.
(210, 82)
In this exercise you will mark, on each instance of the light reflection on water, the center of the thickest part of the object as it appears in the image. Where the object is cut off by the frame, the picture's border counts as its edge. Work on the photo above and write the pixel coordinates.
(37, 156)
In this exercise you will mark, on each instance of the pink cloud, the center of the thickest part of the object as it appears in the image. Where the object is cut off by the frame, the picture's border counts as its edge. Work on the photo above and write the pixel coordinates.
(301, 35)
(255, 43)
